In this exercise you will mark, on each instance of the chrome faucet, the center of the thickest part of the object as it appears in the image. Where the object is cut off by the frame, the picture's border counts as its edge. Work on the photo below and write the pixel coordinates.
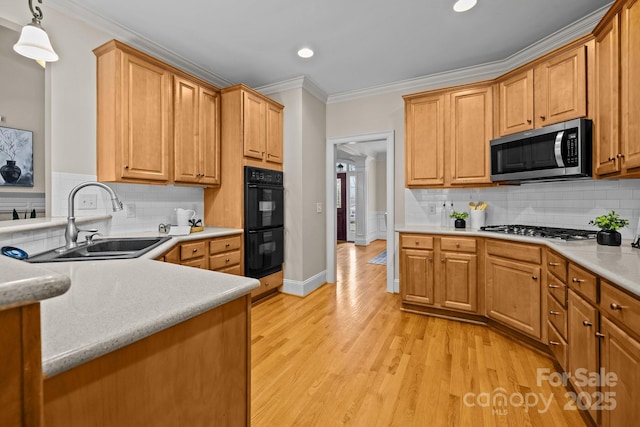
(71, 232)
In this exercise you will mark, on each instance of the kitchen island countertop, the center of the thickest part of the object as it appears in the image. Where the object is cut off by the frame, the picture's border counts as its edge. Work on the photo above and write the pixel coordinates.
(618, 264)
(96, 307)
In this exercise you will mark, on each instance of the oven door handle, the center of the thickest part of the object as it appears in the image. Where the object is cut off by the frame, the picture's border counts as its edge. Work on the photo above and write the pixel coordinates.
(264, 186)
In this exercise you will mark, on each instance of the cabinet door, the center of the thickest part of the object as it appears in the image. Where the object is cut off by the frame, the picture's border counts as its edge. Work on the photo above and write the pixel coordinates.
(471, 129)
(630, 89)
(274, 134)
(254, 126)
(606, 131)
(583, 345)
(424, 147)
(185, 130)
(459, 281)
(209, 147)
(515, 103)
(620, 355)
(146, 106)
(513, 295)
(417, 276)
(561, 88)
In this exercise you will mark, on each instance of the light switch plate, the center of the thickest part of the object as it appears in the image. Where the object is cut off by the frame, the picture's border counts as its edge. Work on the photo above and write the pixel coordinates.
(319, 207)
(131, 210)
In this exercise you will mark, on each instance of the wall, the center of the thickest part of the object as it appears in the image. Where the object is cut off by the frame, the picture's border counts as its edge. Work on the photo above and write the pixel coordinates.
(569, 204)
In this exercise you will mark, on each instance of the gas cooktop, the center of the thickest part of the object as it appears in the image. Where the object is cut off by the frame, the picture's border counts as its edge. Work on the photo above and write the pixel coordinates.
(539, 231)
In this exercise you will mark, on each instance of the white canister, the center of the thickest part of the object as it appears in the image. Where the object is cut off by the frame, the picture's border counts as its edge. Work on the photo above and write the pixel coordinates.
(478, 218)
(184, 215)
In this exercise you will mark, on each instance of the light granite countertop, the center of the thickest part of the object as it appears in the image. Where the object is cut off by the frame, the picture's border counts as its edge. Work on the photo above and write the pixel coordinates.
(619, 265)
(110, 304)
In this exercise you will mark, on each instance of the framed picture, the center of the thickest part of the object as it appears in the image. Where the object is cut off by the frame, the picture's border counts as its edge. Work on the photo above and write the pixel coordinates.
(16, 157)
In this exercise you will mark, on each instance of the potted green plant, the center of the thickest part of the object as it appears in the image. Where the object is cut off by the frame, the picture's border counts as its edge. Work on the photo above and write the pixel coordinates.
(609, 225)
(460, 219)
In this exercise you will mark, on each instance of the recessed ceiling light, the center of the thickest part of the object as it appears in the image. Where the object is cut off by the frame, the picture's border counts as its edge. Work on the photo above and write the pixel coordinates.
(305, 52)
(464, 5)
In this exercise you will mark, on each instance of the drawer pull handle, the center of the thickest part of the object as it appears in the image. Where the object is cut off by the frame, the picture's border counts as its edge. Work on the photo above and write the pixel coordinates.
(615, 306)
(457, 245)
(227, 245)
(126, 166)
(195, 250)
(529, 121)
(576, 280)
(430, 259)
(554, 313)
(554, 264)
(534, 277)
(587, 323)
(543, 118)
(554, 343)
(599, 335)
(552, 286)
(227, 260)
(442, 260)
(417, 243)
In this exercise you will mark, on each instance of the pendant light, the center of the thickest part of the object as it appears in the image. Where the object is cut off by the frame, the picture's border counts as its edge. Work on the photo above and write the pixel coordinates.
(34, 42)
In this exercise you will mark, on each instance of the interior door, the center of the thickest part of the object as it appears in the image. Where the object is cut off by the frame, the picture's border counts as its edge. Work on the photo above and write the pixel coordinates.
(341, 206)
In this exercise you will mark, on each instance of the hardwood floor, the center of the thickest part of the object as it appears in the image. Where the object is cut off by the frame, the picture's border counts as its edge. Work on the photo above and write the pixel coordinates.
(347, 355)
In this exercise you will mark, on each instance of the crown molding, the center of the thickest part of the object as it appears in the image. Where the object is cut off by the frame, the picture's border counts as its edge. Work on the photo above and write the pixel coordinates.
(77, 11)
(301, 82)
(485, 71)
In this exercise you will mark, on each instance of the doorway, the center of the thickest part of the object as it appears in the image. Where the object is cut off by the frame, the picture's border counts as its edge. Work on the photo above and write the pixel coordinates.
(333, 144)
(341, 205)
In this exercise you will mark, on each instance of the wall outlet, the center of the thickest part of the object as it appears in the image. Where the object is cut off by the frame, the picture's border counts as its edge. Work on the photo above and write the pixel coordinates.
(319, 207)
(431, 208)
(87, 201)
(131, 210)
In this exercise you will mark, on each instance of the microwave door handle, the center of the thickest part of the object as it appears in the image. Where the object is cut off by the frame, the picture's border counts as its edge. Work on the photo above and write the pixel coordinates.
(558, 149)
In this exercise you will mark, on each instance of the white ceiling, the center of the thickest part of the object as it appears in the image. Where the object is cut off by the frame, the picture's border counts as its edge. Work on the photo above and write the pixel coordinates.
(358, 43)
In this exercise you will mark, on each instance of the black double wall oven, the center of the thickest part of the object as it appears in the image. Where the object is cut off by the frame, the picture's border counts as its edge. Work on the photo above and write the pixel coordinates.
(263, 221)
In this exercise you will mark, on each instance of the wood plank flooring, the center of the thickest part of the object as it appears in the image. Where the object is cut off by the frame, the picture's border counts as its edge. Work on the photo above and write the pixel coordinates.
(347, 355)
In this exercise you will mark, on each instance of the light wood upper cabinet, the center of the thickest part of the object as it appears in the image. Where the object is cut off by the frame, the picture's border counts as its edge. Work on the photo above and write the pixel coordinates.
(424, 140)
(606, 132)
(515, 101)
(471, 129)
(196, 133)
(560, 86)
(630, 107)
(262, 127)
(134, 116)
(274, 139)
(553, 91)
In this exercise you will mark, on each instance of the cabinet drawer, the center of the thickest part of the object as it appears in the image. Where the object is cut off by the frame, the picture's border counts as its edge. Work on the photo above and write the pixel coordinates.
(223, 245)
(557, 315)
(583, 282)
(192, 250)
(173, 256)
(416, 241)
(620, 306)
(558, 289)
(224, 260)
(236, 269)
(268, 283)
(196, 262)
(558, 346)
(458, 244)
(516, 251)
(557, 265)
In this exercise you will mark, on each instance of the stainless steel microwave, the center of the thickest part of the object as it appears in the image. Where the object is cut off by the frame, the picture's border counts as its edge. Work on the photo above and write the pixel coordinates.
(560, 151)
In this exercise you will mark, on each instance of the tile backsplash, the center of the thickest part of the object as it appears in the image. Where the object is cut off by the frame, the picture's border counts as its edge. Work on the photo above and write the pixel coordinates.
(557, 204)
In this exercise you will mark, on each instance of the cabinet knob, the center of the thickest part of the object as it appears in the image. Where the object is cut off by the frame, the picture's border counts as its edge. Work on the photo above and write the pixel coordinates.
(441, 259)
(611, 159)
(587, 323)
(543, 118)
(430, 259)
(552, 286)
(417, 243)
(599, 335)
(554, 343)
(227, 245)
(227, 260)
(266, 284)
(554, 313)
(457, 245)
(195, 250)
(554, 264)
(620, 156)
(615, 306)
(534, 277)
(529, 121)
(576, 280)
(126, 166)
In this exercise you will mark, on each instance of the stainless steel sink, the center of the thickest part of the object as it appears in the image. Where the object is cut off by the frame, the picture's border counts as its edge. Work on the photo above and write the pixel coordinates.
(107, 248)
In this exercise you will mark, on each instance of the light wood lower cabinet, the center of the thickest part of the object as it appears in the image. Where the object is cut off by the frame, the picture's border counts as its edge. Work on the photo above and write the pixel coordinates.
(194, 373)
(417, 271)
(513, 295)
(223, 254)
(268, 285)
(458, 281)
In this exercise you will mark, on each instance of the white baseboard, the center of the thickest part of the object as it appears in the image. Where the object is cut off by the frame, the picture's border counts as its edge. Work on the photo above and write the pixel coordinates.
(396, 286)
(301, 289)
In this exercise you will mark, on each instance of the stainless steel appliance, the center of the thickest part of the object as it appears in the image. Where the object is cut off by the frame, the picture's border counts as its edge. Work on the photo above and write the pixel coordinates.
(560, 151)
(541, 231)
(263, 221)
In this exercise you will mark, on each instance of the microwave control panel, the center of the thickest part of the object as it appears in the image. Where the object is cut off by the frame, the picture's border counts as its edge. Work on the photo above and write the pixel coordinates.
(571, 158)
